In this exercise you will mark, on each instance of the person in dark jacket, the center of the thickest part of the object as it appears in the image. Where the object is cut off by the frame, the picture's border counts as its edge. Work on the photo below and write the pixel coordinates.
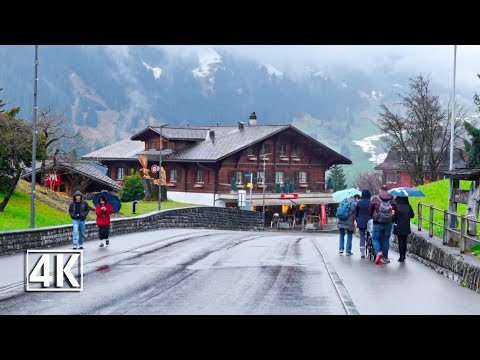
(78, 211)
(362, 216)
(402, 224)
(382, 230)
(103, 211)
(348, 227)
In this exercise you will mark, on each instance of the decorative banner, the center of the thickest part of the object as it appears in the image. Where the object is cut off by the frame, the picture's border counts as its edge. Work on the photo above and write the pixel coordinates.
(53, 179)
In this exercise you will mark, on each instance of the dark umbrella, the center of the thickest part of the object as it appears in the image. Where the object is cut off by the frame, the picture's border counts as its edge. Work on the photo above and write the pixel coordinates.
(111, 199)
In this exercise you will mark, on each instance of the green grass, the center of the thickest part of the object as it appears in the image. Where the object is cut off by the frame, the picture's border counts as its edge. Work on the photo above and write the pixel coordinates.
(476, 250)
(436, 194)
(144, 207)
(17, 214)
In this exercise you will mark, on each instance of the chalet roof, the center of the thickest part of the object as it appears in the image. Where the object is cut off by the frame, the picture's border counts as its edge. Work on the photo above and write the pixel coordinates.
(124, 149)
(81, 167)
(462, 174)
(226, 141)
(174, 133)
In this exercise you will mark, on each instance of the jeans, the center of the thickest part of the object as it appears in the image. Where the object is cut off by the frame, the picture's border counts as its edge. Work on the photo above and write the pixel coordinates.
(342, 240)
(381, 234)
(78, 232)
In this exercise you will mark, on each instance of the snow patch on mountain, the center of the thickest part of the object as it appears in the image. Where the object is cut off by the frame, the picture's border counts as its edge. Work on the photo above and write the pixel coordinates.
(157, 72)
(273, 71)
(208, 60)
(367, 146)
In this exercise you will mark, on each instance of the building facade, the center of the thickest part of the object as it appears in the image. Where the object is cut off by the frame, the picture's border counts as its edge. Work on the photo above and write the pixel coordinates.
(200, 162)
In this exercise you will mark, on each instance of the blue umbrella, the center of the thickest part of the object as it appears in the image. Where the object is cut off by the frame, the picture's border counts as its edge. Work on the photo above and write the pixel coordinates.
(406, 192)
(111, 199)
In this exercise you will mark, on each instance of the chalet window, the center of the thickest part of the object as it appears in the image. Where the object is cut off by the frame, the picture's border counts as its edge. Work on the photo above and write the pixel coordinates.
(238, 176)
(199, 176)
(283, 149)
(302, 177)
(278, 177)
(260, 177)
(169, 145)
(265, 149)
(151, 146)
(392, 177)
(120, 173)
(250, 151)
(173, 175)
(295, 150)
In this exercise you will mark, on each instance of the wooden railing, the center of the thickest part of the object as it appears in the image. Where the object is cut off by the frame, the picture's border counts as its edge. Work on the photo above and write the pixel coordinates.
(464, 222)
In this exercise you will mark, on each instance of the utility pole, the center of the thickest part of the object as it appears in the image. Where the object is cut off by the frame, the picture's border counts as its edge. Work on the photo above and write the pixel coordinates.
(452, 124)
(264, 182)
(160, 170)
(34, 143)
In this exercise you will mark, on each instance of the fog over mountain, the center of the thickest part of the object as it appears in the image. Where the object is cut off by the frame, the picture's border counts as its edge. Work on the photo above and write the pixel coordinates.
(330, 92)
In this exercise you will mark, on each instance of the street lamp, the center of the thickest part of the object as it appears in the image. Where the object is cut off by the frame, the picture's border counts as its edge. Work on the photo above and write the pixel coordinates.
(160, 170)
(34, 143)
(452, 124)
(264, 183)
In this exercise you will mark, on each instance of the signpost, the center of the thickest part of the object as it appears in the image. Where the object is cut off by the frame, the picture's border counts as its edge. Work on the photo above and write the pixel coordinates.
(154, 168)
(249, 185)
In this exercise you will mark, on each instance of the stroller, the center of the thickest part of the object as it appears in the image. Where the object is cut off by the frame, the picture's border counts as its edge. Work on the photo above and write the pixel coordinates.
(369, 249)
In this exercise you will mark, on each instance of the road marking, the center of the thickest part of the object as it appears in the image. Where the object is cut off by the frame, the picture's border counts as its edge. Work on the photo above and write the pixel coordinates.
(342, 292)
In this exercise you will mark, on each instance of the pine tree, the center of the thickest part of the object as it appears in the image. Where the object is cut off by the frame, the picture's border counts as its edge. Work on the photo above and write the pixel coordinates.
(278, 188)
(472, 147)
(329, 183)
(233, 185)
(291, 188)
(338, 178)
(286, 186)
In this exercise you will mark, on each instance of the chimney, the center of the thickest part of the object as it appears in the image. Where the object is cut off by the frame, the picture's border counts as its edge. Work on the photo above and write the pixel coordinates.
(252, 120)
(241, 125)
(211, 133)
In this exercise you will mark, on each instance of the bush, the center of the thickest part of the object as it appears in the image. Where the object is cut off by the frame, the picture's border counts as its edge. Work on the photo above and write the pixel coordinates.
(132, 188)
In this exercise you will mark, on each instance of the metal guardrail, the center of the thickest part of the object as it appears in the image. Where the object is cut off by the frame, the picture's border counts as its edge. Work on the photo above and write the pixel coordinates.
(464, 222)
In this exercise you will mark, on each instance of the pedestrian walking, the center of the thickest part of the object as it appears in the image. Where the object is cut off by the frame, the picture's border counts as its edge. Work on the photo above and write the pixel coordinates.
(382, 209)
(402, 224)
(362, 215)
(78, 211)
(103, 211)
(345, 215)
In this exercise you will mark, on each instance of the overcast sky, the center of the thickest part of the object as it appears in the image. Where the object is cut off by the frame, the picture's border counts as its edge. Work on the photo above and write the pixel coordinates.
(434, 59)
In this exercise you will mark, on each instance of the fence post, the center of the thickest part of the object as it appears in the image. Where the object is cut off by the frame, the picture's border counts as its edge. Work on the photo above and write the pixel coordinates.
(430, 228)
(462, 230)
(445, 226)
(420, 216)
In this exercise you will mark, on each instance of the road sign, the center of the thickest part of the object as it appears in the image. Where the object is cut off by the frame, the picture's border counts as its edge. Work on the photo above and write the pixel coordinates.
(288, 196)
(154, 168)
(248, 175)
(249, 185)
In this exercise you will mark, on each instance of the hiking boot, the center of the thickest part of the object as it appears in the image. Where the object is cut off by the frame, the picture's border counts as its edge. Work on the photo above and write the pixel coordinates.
(107, 242)
(101, 244)
(379, 257)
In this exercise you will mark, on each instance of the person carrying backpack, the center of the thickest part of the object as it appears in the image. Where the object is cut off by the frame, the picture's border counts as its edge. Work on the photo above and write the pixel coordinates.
(345, 215)
(382, 210)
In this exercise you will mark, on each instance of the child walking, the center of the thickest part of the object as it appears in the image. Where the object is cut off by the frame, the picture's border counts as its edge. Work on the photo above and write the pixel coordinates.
(103, 211)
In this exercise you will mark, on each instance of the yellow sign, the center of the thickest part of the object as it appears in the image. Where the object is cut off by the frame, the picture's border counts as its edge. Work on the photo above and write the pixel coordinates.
(249, 185)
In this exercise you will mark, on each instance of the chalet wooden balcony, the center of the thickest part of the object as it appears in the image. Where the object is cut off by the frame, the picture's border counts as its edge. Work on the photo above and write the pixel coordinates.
(198, 185)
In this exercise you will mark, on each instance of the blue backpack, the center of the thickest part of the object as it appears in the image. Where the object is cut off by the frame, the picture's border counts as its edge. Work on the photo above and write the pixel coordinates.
(343, 211)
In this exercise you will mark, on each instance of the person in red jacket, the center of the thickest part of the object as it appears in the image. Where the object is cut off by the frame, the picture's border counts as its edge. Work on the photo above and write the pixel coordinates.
(103, 211)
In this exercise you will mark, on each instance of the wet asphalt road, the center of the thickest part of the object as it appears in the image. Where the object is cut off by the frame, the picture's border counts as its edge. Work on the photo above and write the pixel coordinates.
(226, 272)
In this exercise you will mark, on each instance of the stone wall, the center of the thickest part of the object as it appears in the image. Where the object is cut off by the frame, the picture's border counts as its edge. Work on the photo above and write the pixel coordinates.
(192, 217)
(443, 259)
